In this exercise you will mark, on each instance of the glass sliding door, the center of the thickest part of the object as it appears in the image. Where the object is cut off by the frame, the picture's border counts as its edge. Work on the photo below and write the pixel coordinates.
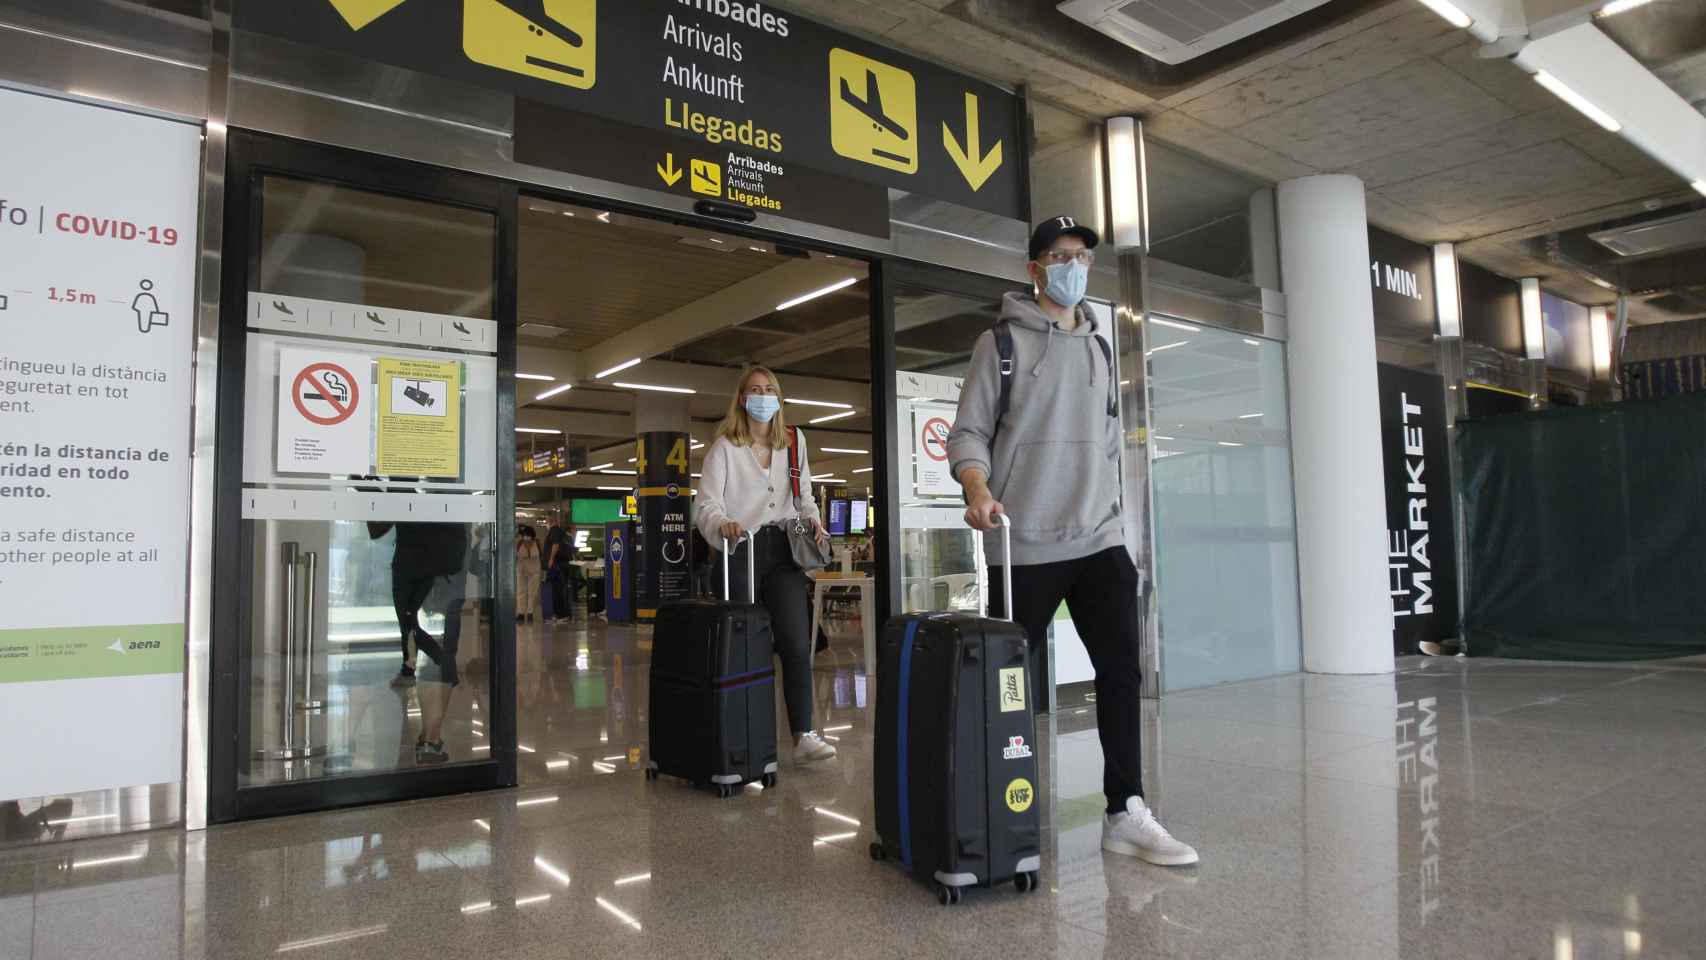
(1225, 531)
(361, 654)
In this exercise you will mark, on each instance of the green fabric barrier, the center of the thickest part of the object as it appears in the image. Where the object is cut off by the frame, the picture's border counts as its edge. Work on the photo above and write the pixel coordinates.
(1582, 526)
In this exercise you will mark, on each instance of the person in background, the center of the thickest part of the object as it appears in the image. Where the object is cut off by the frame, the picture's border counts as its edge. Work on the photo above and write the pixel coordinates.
(747, 488)
(428, 557)
(1054, 459)
(556, 560)
(529, 570)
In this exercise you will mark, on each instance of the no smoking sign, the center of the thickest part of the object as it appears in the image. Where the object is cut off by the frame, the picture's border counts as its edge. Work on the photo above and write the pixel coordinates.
(935, 438)
(326, 394)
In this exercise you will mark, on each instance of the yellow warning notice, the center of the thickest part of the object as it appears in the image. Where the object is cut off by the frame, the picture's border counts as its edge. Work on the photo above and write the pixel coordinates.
(707, 178)
(1019, 795)
(420, 418)
(873, 112)
(559, 45)
(360, 13)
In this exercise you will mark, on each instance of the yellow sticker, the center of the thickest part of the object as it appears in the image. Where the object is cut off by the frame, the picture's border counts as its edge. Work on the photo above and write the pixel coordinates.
(1012, 689)
(360, 13)
(873, 112)
(561, 46)
(707, 178)
(1020, 795)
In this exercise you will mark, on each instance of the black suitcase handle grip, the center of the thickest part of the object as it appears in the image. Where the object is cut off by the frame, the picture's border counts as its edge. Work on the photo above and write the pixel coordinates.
(752, 570)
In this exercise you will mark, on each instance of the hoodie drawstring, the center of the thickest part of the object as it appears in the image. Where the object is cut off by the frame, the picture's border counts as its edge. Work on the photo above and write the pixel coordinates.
(1037, 370)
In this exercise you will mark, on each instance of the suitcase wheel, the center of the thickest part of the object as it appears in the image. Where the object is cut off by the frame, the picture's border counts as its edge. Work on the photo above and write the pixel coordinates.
(947, 896)
(651, 774)
(768, 780)
(1027, 882)
(725, 790)
(878, 853)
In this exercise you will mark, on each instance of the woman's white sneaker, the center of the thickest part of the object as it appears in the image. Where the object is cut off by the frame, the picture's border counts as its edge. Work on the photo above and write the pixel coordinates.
(811, 748)
(1136, 833)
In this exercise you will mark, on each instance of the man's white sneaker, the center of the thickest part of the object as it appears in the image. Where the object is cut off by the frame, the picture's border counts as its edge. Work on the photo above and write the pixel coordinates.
(811, 748)
(1136, 833)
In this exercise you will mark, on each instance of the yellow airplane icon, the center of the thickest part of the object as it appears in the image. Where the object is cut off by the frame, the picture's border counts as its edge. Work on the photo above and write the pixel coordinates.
(873, 112)
(553, 40)
(707, 178)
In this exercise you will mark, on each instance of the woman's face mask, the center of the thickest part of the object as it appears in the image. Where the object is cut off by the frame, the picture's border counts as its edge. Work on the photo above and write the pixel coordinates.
(762, 407)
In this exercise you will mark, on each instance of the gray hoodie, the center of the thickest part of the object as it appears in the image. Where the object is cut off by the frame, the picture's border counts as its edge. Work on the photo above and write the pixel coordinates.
(1055, 461)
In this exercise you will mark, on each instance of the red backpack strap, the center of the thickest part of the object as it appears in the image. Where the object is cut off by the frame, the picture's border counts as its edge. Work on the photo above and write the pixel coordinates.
(794, 462)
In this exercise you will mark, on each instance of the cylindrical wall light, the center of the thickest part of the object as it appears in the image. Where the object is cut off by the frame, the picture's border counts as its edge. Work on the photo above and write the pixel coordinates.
(1533, 323)
(1599, 335)
(1450, 307)
(1126, 206)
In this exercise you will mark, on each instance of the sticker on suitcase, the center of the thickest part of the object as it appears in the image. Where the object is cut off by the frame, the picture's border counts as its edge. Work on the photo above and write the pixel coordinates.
(1015, 749)
(1012, 689)
(1020, 795)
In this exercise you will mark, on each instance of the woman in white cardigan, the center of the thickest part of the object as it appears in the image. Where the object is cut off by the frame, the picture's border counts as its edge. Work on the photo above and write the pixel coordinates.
(748, 487)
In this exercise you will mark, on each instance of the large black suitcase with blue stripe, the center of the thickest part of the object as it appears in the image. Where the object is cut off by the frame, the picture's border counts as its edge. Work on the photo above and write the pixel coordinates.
(713, 692)
(956, 771)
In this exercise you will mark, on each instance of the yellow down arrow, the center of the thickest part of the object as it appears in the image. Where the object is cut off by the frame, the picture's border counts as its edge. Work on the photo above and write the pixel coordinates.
(976, 171)
(670, 173)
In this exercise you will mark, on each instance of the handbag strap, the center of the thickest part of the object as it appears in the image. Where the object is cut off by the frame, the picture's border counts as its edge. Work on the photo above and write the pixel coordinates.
(794, 464)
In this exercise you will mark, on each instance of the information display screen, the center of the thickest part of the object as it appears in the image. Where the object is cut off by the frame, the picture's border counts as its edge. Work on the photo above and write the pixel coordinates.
(838, 510)
(860, 517)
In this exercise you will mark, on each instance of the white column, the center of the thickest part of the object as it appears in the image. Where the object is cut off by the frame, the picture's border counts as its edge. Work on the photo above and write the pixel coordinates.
(1335, 426)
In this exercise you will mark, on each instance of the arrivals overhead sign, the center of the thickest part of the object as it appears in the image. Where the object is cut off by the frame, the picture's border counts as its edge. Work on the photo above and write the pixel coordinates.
(737, 76)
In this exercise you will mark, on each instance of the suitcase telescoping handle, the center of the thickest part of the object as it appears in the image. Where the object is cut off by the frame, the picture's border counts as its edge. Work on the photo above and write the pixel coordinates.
(1007, 567)
(752, 569)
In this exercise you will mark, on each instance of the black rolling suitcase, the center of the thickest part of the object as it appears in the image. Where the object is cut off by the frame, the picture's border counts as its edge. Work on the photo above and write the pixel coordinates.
(713, 690)
(956, 775)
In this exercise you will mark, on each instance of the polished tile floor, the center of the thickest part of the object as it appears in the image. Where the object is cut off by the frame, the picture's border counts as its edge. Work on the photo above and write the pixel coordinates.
(1457, 809)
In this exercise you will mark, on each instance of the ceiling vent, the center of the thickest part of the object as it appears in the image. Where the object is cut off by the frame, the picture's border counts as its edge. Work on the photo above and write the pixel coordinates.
(543, 331)
(1663, 235)
(1174, 31)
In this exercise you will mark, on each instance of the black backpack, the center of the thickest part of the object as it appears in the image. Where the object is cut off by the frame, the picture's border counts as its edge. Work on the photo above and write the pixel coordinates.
(1004, 349)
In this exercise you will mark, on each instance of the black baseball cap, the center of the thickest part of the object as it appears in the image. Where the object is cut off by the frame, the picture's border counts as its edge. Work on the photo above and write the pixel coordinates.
(1054, 228)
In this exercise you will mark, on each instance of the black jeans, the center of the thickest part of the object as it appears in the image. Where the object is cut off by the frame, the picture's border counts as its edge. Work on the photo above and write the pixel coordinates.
(409, 594)
(1100, 592)
(782, 589)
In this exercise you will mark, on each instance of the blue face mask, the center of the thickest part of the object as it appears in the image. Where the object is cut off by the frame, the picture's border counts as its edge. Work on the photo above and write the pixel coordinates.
(762, 407)
(1067, 283)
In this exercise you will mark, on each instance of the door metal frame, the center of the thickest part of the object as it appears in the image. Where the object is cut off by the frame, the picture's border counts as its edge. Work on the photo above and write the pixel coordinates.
(250, 156)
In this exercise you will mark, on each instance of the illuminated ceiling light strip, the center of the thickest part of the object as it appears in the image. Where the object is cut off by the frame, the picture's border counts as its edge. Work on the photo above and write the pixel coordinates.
(636, 878)
(1251, 416)
(565, 388)
(545, 867)
(655, 388)
(843, 450)
(1581, 103)
(1616, 7)
(524, 748)
(841, 729)
(535, 376)
(556, 764)
(836, 416)
(537, 430)
(617, 912)
(826, 291)
(619, 368)
(527, 483)
(567, 473)
(630, 473)
(332, 938)
(603, 466)
(828, 478)
(1253, 343)
(821, 403)
(1176, 325)
(1229, 443)
(1452, 15)
(864, 470)
(615, 489)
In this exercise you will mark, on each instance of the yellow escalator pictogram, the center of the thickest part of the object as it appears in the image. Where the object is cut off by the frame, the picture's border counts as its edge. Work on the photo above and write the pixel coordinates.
(552, 40)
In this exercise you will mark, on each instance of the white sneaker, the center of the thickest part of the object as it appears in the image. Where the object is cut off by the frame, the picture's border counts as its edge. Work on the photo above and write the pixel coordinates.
(1136, 833)
(811, 749)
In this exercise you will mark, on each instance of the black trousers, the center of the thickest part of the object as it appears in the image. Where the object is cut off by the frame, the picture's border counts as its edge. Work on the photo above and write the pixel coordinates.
(409, 594)
(1100, 591)
(782, 589)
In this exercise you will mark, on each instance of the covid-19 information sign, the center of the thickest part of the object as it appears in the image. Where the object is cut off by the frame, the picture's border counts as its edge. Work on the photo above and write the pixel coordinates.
(97, 291)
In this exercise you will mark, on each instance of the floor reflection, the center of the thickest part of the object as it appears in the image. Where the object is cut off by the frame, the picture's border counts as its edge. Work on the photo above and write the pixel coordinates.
(1456, 809)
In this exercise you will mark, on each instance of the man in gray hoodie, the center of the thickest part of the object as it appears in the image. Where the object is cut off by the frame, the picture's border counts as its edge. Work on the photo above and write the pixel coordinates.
(1038, 430)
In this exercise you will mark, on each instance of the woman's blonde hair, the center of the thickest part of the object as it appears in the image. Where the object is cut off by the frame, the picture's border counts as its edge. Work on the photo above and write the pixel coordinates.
(734, 428)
